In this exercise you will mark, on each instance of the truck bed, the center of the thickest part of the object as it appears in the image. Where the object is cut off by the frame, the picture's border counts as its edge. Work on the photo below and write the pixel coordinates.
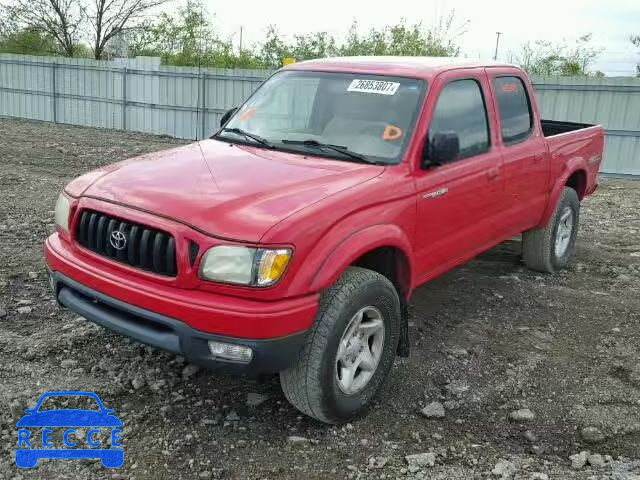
(555, 127)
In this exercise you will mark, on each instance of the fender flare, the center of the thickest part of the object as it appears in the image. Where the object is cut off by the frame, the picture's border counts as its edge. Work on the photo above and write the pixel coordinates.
(572, 166)
(351, 248)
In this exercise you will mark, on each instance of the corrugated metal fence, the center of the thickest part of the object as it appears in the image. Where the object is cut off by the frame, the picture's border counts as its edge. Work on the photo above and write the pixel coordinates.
(127, 94)
(140, 95)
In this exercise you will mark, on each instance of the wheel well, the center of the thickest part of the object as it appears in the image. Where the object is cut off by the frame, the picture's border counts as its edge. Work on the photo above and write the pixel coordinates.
(390, 262)
(393, 264)
(578, 181)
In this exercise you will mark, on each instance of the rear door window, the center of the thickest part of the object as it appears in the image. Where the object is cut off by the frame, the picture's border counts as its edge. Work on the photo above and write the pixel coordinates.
(514, 107)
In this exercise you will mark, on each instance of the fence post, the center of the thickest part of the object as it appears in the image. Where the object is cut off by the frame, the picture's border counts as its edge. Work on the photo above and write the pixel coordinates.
(54, 105)
(203, 104)
(124, 98)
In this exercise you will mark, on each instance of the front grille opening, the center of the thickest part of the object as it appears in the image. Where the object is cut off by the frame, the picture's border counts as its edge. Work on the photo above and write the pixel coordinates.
(194, 248)
(130, 243)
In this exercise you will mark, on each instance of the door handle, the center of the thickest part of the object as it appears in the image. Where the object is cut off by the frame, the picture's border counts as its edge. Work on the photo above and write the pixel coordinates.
(493, 173)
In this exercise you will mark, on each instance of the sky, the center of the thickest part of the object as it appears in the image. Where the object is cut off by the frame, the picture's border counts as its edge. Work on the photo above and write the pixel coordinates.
(610, 21)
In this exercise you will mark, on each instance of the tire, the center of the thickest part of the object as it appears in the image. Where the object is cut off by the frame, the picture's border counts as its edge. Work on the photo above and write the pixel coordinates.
(314, 385)
(552, 248)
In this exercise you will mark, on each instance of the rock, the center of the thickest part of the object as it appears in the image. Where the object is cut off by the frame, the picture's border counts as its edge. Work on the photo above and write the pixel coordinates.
(3, 312)
(33, 275)
(137, 383)
(378, 462)
(233, 416)
(458, 352)
(539, 476)
(189, 371)
(579, 460)
(68, 363)
(504, 469)
(522, 415)
(433, 410)
(530, 436)
(205, 474)
(592, 435)
(255, 399)
(25, 301)
(24, 310)
(16, 407)
(296, 439)
(457, 388)
(596, 460)
(119, 476)
(421, 460)
(157, 385)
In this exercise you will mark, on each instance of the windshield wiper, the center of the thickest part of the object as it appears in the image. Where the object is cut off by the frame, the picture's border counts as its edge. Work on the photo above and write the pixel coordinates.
(244, 133)
(336, 148)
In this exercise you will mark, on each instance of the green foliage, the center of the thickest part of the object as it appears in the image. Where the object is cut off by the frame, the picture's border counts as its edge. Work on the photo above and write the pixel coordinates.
(546, 58)
(403, 39)
(188, 39)
(28, 42)
(399, 39)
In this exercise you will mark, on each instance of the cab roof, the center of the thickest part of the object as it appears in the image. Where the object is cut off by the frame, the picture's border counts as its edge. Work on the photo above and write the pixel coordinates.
(418, 67)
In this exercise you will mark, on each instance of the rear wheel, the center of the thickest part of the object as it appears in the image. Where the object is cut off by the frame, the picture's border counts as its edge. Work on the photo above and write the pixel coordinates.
(349, 350)
(552, 248)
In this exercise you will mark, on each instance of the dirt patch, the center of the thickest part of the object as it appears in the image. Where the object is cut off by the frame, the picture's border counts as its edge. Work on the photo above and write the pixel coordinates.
(489, 339)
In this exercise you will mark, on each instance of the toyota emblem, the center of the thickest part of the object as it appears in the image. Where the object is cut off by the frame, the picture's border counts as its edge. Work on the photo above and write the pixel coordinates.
(118, 240)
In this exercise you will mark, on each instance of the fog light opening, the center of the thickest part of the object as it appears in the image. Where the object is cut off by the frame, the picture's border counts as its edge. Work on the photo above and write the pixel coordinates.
(229, 351)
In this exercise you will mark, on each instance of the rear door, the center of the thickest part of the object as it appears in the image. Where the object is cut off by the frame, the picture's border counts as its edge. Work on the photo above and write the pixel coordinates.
(458, 202)
(524, 152)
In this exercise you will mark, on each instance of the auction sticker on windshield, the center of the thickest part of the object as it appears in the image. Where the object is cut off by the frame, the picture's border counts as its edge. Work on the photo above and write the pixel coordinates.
(373, 86)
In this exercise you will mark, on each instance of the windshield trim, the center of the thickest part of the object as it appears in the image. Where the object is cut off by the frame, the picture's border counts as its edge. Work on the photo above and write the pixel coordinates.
(278, 146)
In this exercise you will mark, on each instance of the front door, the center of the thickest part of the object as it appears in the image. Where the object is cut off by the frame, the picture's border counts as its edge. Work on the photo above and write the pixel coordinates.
(458, 202)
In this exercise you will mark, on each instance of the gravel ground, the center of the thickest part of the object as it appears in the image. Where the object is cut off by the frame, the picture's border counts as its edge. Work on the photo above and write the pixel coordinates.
(511, 372)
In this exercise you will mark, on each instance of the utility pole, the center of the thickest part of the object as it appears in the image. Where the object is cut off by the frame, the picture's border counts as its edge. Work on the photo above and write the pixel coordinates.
(495, 56)
(240, 40)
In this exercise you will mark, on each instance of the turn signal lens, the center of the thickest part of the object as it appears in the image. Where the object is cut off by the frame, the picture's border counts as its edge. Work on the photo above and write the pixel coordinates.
(272, 265)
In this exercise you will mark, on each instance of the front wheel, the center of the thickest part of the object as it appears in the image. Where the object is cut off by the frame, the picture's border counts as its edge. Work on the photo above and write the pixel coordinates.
(349, 350)
(551, 248)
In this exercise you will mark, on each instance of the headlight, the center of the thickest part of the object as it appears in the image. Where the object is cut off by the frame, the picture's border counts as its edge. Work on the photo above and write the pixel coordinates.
(62, 212)
(258, 267)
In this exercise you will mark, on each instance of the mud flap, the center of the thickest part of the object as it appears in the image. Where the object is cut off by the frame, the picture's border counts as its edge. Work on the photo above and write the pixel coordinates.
(404, 346)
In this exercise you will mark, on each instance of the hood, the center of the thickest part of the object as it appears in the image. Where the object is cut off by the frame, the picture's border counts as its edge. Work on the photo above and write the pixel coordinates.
(226, 190)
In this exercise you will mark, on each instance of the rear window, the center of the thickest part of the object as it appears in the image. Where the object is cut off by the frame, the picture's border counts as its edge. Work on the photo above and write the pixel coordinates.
(516, 118)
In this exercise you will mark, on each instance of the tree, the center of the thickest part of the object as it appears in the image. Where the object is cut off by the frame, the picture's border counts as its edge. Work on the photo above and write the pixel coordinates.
(439, 40)
(189, 39)
(546, 58)
(28, 41)
(635, 39)
(110, 18)
(58, 19)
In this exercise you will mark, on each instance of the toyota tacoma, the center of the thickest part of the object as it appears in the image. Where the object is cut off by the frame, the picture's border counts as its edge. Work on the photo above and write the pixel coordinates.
(292, 239)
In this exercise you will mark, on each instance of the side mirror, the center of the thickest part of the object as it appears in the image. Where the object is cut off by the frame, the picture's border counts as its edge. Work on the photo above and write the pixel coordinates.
(225, 118)
(444, 147)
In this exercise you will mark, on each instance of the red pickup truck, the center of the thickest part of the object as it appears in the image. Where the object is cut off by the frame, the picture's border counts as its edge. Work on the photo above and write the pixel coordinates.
(292, 240)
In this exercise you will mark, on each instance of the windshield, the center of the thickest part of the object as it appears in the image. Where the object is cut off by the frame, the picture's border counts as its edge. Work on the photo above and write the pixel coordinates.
(367, 117)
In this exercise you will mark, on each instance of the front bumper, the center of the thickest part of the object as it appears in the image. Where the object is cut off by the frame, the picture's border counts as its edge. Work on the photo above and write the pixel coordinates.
(269, 356)
(179, 320)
